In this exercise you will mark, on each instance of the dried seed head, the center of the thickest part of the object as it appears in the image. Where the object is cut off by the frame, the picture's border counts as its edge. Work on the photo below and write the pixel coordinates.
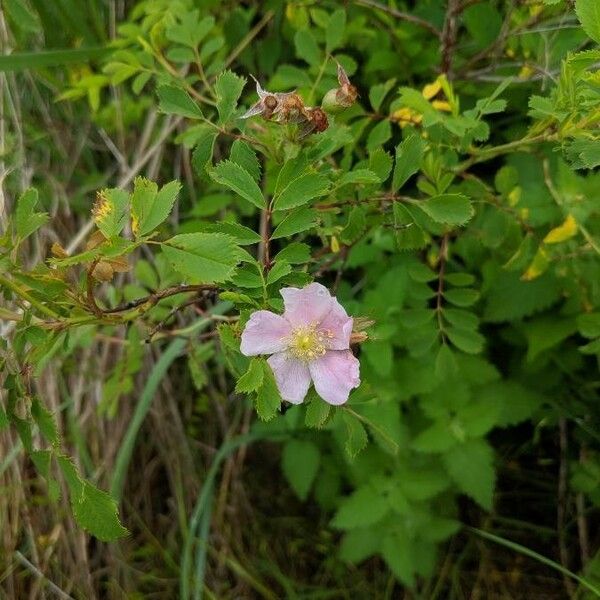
(269, 104)
(319, 118)
(103, 271)
(338, 99)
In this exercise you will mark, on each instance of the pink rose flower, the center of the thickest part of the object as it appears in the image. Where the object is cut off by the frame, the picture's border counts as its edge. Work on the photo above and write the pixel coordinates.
(309, 342)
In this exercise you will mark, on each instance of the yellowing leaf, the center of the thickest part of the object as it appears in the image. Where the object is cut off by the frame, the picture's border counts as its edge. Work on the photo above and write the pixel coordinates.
(432, 89)
(563, 232)
(335, 245)
(514, 196)
(406, 115)
(526, 72)
(538, 265)
(441, 105)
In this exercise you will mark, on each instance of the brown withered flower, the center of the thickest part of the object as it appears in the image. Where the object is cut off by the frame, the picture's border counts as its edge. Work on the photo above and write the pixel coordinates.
(287, 108)
(316, 121)
(269, 104)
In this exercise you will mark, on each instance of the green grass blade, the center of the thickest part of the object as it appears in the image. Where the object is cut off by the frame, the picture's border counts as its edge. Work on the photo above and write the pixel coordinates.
(23, 61)
(141, 410)
(200, 514)
(174, 349)
(533, 554)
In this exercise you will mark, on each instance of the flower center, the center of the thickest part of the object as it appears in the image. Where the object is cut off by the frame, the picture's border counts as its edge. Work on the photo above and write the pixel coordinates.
(307, 343)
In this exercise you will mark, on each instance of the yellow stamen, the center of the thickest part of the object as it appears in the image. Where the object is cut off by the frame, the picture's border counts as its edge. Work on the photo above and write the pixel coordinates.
(307, 343)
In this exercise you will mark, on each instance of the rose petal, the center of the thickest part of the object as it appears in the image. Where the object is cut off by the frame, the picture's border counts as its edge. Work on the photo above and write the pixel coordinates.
(306, 306)
(291, 375)
(265, 333)
(334, 375)
(337, 327)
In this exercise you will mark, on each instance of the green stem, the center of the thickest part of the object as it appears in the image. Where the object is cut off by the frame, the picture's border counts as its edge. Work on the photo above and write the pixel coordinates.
(17, 289)
(495, 151)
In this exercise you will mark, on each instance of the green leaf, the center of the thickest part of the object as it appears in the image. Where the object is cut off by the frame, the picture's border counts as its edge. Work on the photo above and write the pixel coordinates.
(398, 554)
(22, 16)
(110, 211)
(268, 399)
(436, 438)
(252, 379)
(94, 510)
(243, 155)
(379, 135)
(381, 162)
(291, 169)
(516, 402)
(357, 223)
(460, 279)
(280, 269)
(483, 22)
(452, 209)
(461, 318)
(378, 92)
(545, 333)
(461, 297)
(300, 463)
(150, 207)
(203, 152)
(478, 417)
(243, 235)
(334, 33)
(202, 257)
(228, 88)
(408, 158)
(306, 47)
(588, 12)
(589, 325)
(191, 30)
(301, 191)
(445, 363)
(466, 340)
(471, 466)
(176, 101)
(236, 178)
(295, 253)
(363, 176)
(27, 220)
(409, 235)
(591, 348)
(366, 506)
(356, 435)
(45, 421)
(317, 412)
(296, 222)
(359, 544)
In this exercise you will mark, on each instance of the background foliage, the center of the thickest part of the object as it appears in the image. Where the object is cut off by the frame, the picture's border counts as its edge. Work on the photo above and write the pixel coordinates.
(455, 206)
